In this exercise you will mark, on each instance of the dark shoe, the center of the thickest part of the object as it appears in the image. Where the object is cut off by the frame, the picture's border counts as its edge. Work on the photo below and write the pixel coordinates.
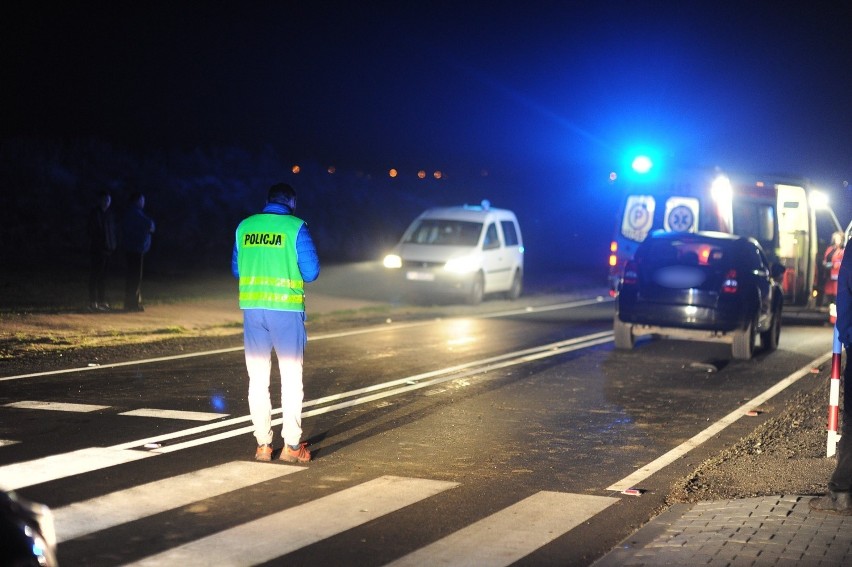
(263, 453)
(833, 503)
(103, 307)
(301, 455)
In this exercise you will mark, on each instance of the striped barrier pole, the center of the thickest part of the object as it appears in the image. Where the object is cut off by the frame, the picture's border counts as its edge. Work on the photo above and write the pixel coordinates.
(834, 397)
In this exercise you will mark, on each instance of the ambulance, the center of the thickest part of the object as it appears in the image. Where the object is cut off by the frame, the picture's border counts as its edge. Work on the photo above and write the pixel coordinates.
(778, 212)
(467, 251)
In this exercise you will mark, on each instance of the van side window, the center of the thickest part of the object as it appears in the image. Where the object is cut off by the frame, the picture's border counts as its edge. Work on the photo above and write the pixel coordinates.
(509, 233)
(491, 239)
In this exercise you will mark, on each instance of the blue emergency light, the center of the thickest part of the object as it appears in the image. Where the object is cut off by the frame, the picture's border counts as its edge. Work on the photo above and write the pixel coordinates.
(642, 164)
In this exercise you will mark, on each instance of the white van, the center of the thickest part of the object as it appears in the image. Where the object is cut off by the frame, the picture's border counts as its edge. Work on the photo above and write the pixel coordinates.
(469, 251)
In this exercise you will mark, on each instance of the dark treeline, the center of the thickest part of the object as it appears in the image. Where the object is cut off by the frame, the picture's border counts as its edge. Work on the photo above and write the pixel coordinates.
(196, 198)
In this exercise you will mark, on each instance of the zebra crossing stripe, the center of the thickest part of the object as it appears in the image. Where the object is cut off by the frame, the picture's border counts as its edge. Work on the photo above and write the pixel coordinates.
(512, 533)
(143, 412)
(52, 467)
(302, 525)
(175, 414)
(55, 406)
(82, 518)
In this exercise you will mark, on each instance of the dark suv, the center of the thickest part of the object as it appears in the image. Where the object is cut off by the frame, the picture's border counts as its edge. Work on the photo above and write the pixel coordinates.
(702, 286)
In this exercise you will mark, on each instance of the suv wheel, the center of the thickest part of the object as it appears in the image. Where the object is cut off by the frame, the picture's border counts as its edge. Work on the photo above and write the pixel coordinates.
(744, 339)
(769, 338)
(624, 339)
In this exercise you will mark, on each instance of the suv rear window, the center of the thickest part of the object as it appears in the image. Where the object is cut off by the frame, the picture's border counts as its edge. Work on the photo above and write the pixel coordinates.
(686, 253)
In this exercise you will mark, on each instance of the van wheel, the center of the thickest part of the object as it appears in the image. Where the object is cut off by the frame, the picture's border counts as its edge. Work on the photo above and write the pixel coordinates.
(624, 339)
(769, 338)
(517, 286)
(743, 346)
(477, 290)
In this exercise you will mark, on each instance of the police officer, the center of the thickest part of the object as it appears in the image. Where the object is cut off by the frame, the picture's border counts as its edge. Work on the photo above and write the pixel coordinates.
(273, 257)
(839, 497)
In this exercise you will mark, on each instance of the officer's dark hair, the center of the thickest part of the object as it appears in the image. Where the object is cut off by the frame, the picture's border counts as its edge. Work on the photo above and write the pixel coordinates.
(135, 196)
(281, 193)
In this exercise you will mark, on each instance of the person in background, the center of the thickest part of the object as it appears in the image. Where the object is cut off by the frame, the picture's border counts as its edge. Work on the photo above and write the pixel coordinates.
(100, 227)
(831, 266)
(273, 257)
(838, 500)
(137, 229)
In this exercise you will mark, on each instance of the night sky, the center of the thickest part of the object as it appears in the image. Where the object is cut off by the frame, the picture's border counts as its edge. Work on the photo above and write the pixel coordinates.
(457, 86)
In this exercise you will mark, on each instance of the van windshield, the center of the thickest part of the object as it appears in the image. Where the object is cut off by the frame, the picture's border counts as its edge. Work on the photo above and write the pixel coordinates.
(443, 232)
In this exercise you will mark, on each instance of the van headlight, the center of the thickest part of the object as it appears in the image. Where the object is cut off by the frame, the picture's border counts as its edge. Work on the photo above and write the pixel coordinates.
(392, 261)
(462, 265)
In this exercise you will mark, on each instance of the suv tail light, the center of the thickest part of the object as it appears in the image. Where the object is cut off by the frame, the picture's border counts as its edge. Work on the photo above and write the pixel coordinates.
(730, 283)
(631, 275)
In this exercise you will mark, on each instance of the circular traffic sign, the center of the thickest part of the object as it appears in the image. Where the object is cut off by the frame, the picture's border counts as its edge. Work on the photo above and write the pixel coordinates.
(681, 218)
(639, 217)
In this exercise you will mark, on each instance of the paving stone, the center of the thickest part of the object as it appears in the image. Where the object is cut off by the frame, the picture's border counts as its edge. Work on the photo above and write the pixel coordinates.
(753, 532)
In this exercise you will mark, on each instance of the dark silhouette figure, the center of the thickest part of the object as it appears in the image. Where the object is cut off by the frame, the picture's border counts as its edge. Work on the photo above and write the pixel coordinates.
(102, 243)
(137, 228)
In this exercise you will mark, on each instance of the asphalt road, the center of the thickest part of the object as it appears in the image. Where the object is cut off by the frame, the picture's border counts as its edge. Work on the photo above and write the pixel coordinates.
(498, 437)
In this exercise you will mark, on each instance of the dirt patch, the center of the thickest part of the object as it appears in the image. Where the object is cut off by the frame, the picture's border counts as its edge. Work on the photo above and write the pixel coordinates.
(784, 455)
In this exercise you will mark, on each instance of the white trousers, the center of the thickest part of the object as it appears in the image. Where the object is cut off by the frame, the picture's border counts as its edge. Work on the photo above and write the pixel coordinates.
(283, 331)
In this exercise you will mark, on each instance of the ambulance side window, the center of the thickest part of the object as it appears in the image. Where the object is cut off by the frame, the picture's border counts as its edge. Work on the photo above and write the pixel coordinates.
(491, 239)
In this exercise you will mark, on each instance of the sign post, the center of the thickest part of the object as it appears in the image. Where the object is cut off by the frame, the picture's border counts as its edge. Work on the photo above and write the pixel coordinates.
(834, 397)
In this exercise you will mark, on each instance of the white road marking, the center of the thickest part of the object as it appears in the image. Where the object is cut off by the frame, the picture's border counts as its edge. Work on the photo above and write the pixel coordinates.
(52, 467)
(55, 406)
(120, 364)
(403, 385)
(351, 332)
(663, 461)
(175, 414)
(408, 384)
(512, 533)
(272, 536)
(82, 518)
(5, 442)
(548, 350)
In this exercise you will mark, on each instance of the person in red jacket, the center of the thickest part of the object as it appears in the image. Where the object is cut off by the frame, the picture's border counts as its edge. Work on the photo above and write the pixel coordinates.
(831, 264)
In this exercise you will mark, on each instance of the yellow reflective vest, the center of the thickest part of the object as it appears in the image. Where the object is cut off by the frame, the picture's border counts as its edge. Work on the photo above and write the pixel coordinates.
(268, 264)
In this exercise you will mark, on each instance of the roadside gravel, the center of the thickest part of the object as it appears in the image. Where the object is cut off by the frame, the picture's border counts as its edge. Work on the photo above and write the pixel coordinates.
(783, 455)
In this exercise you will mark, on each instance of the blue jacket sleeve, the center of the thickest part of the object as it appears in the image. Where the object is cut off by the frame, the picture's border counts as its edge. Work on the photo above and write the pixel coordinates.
(308, 260)
(235, 266)
(844, 300)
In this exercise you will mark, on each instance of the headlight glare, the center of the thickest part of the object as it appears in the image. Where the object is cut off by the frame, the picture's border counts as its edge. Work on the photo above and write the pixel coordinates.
(392, 261)
(462, 265)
